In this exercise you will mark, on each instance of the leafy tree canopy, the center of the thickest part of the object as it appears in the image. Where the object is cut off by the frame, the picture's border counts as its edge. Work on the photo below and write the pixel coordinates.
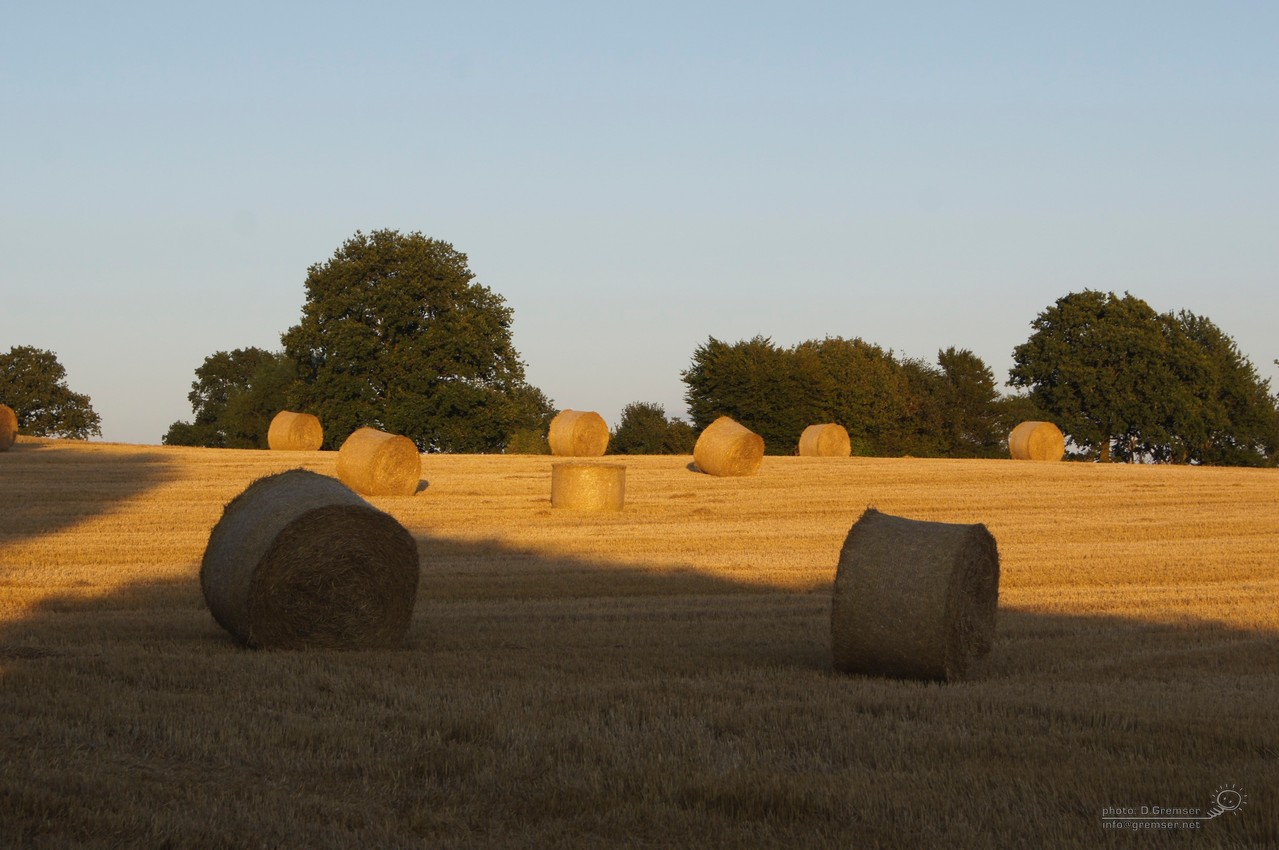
(234, 397)
(645, 430)
(33, 383)
(395, 334)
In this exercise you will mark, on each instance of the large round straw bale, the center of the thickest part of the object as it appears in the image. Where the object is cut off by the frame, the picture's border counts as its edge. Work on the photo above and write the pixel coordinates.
(298, 560)
(295, 432)
(588, 486)
(578, 433)
(375, 463)
(726, 448)
(914, 599)
(8, 427)
(1036, 441)
(829, 440)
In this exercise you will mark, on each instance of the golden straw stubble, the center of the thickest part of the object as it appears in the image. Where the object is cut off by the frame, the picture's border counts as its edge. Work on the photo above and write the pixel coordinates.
(578, 433)
(914, 599)
(1037, 441)
(375, 463)
(299, 561)
(726, 448)
(8, 427)
(588, 486)
(295, 432)
(827, 440)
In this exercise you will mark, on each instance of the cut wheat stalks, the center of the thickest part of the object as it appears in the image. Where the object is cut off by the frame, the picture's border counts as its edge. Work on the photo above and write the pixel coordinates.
(375, 463)
(588, 486)
(299, 561)
(295, 432)
(578, 433)
(914, 599)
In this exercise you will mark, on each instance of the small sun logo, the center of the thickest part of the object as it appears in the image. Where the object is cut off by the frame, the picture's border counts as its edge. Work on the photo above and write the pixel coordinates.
(1227, 799)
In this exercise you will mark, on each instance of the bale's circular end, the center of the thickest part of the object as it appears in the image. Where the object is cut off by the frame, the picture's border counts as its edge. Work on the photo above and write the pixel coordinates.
(588, 486)
(8, 427)
(299, 561)
(726, 448)
(828, 440)
(578, 433)
(375, 463)
(1037, 441)
(294, 432)
(914, 599)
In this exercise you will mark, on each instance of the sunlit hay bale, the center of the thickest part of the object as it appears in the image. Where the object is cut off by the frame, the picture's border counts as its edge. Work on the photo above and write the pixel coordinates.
(914, 599)
(298, 560)
(375, 463)
(295, 432)
(829, 440)
(1037, 441)
(8, 427)
(578, 433)
(588, 486)
(726, 448)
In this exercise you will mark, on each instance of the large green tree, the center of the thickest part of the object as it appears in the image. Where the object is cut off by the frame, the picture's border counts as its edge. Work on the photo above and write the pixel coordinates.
(967, 404)
(644, 429)
(396, 334)
(234, 397)
(33, 383)
(1127, 383)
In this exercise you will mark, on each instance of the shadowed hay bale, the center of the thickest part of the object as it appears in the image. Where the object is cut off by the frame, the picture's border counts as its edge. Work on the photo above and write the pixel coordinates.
(298, 560)
(375, 463)
(8, 427)
(295, 432)
(578, 433)
(588, 486)
(829, 440)
(914, 599)
(726, 448)
(1037, 441)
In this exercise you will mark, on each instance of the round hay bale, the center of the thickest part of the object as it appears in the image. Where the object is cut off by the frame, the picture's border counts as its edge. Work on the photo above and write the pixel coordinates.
(1037, 441)
(588, 486)
(294, 432)
(726, 448)
(829, 440)
(578, 433)
(298, 560)
(914, 599)
(375, 463)
(8, 427)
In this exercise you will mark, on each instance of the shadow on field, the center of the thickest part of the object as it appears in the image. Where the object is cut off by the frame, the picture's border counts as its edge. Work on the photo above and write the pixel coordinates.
(45, 488)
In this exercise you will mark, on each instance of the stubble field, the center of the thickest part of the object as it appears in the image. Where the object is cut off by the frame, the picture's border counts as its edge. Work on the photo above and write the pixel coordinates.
(652, 678)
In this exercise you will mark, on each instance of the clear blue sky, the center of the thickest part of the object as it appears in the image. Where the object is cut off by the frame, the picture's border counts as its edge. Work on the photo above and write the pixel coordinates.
(633, 178)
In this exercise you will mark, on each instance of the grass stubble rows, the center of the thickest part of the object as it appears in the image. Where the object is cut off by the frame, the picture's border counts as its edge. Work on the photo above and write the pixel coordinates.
(655, 677)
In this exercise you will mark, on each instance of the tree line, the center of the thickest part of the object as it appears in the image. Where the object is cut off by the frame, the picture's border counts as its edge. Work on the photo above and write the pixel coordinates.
(396, 333)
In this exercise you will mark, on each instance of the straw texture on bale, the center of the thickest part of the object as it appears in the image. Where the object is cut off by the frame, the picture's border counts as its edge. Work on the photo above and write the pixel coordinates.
(8, 427)
(829, 440)
(578, 433)
(375, 463)
(588, 486)
(726, 448)
(1037, 441)
(295, 432)
(914, 599)
(298, 560)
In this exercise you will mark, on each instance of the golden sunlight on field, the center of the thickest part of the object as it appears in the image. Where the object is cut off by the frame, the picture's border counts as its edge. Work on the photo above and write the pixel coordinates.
(576, 678)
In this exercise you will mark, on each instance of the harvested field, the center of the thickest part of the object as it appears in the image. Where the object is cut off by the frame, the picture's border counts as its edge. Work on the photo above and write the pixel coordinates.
(652, 677)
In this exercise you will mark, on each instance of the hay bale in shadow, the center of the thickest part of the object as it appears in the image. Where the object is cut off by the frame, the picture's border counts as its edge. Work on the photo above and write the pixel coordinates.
(578, 433)
(375, 463)
(294, 432)
(828, 440)
(298, 560)
(588, 486)
(726, 448)
(8, 427)
(1037, 441)
(914, 599)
